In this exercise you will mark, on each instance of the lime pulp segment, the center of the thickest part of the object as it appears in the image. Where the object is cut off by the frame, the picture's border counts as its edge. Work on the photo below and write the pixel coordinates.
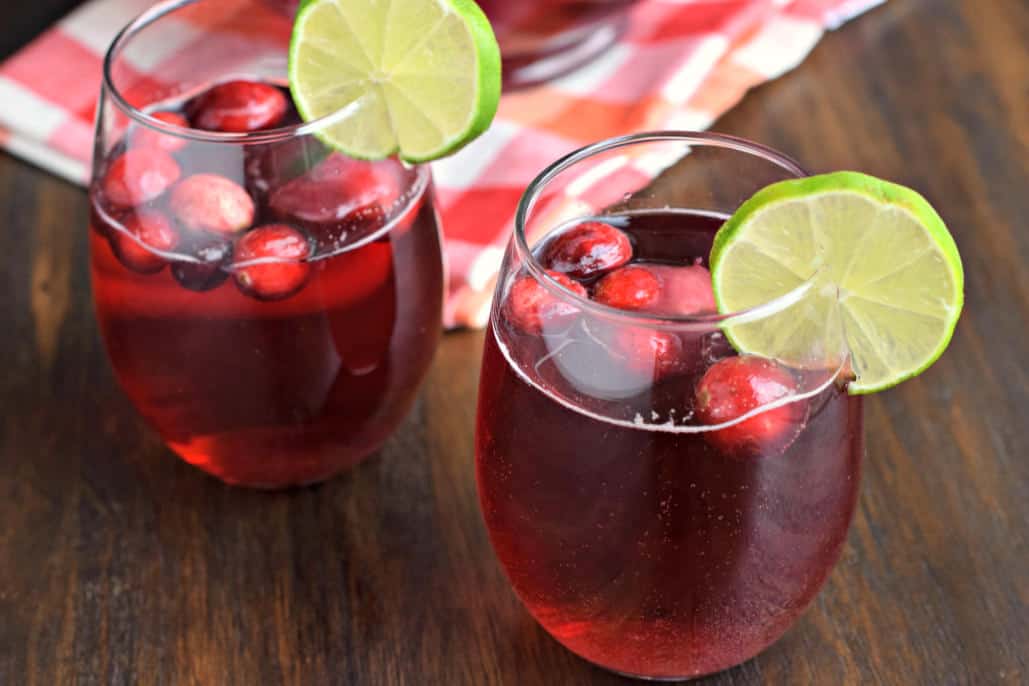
(885, 278)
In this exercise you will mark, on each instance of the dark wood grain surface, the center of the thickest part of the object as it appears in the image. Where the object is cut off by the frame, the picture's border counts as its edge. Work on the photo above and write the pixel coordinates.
(119, 564)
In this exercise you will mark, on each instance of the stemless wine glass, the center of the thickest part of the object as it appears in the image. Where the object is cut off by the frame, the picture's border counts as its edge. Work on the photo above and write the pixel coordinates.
(543, 39)
(269, 305)
(663, 504)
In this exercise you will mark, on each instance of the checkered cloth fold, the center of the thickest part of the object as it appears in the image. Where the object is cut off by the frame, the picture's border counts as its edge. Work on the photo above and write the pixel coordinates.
(680, 65)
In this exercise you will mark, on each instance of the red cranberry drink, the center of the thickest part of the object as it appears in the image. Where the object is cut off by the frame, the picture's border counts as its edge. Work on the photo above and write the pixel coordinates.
(273, 329)
(648, 550)
(666, 489)
(270, 301)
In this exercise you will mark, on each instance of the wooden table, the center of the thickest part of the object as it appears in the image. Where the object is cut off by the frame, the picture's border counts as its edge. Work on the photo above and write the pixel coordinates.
(121, 565)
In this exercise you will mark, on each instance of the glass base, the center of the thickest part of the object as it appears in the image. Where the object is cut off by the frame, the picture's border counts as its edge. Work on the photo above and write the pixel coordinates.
(664, 679)
(657, 679)
(661, 679)
(278, 476)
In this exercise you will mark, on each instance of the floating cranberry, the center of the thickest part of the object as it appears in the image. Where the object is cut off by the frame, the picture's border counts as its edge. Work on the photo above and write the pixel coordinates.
(650, 353)
(737, 385)
(205, 270)
(339, 199)
(142, 234)
(632, 287)
(139, 176)
(212, 203)
(684, 290)
(151, 138)
(532, 309)
(587, 250)
(239, 107)
(271, 262)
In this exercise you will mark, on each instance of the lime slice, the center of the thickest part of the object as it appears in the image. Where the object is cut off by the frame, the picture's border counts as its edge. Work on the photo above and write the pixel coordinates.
(416, 77)
(885, 280)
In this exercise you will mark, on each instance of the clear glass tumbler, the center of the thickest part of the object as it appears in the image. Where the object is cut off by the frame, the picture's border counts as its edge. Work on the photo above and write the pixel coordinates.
(644, 530)
(270, 306)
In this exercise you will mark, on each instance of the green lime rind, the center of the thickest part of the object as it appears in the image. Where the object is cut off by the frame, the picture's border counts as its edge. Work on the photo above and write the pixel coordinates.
(745, 245)
(488, 78)
(456, 96)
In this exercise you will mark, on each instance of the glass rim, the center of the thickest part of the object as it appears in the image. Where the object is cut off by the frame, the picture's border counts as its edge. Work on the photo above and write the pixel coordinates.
(689, 138)
(150, 17)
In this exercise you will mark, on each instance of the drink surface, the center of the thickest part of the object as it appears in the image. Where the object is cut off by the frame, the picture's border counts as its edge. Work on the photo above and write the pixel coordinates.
(266, 371)
(634, 537)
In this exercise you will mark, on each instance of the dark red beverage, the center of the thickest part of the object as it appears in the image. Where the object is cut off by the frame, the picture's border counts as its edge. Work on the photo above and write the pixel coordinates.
(637, 536)
(269, 307)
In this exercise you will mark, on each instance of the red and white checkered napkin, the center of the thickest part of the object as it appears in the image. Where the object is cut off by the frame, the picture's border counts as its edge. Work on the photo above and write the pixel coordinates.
(681, 64)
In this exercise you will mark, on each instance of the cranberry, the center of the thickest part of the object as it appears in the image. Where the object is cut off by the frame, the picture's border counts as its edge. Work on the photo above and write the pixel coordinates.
(207, 270)
(212, 203)
(737, 385)
(532, 309)
(632, 287)
(143, 233)
(655, 354)
(587, 249)
(339, 198)
(615, 360)
(684, 290)
(151, 138)
(139, 176)
(239, 107)
(271, 262)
